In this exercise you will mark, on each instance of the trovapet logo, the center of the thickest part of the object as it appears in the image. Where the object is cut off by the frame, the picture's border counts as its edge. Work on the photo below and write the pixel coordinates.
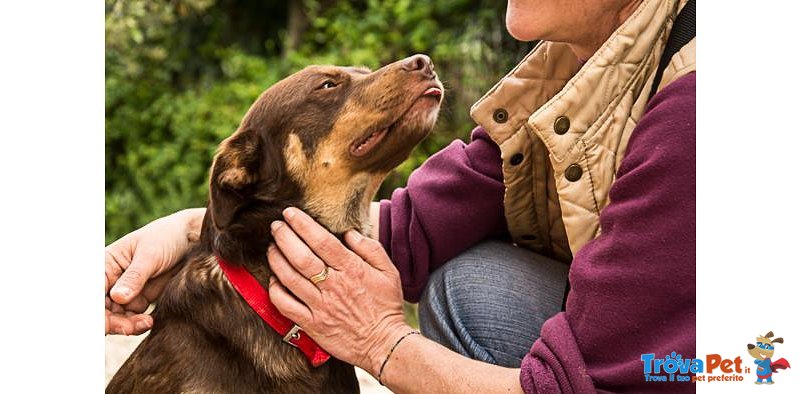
(675, 368)
(716, 368)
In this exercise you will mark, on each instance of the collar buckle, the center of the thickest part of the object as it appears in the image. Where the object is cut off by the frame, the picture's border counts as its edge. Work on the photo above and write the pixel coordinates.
(292, 335)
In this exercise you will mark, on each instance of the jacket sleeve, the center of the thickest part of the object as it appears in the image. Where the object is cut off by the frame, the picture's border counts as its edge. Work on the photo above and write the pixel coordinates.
(453, 201)
(633, 287)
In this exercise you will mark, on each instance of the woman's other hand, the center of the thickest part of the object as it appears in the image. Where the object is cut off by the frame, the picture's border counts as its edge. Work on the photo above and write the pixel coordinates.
(139, 265)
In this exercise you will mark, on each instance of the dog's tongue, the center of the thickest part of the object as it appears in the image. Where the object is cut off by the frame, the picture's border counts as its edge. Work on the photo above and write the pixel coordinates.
(434, 91)
(369, 143)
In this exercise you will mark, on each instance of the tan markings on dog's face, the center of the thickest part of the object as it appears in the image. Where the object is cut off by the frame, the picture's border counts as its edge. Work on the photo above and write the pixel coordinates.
(322, 139)
(296, 161)
(343, 173)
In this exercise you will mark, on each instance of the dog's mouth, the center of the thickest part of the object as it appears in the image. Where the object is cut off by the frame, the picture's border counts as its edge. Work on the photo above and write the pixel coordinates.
(366, 144)
(433, 91)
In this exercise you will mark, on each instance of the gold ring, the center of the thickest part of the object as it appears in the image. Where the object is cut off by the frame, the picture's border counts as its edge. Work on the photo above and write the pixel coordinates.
(320, 276)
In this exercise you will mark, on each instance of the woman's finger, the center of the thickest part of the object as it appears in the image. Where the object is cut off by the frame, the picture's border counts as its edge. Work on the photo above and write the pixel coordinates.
(117, 308)
(296, 251)
(131, 282)
(287, 304)
(370, 250)
(318, 238)
(113, 268)
(127, 325)
(289, 277)
(139, 304)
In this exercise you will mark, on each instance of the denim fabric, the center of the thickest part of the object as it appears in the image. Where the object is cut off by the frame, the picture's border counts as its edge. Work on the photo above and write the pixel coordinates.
(490, 302)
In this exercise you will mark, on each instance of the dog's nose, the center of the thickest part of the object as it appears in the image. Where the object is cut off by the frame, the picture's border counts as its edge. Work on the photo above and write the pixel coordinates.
(418, 62)
(750, 346)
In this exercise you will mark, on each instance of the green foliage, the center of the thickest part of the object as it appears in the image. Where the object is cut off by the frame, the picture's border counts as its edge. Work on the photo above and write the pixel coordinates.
(181, 74)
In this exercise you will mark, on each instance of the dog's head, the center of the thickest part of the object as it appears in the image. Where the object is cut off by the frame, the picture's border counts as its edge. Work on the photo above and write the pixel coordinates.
(764, 347)
(323, 139)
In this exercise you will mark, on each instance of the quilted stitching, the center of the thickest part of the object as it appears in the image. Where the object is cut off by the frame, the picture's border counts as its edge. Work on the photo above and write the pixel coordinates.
(604, 99)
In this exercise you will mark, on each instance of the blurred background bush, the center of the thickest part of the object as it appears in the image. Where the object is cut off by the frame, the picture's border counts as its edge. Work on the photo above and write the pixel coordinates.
(181, 74)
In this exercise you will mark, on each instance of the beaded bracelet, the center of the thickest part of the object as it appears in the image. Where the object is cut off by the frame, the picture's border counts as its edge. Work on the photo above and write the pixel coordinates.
(388, 356)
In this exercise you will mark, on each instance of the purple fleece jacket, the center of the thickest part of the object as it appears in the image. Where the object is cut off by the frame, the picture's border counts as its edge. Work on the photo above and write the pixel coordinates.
(633, 287)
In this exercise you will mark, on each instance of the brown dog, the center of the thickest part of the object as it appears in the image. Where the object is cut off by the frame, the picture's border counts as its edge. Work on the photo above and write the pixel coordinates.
(322, 140)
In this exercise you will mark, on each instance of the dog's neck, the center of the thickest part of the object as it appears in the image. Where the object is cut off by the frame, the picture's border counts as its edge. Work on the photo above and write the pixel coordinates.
(247, 243)
(345, 207)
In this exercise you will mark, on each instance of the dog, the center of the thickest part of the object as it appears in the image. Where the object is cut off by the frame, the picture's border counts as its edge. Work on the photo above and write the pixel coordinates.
(763, 351)
(322, 140)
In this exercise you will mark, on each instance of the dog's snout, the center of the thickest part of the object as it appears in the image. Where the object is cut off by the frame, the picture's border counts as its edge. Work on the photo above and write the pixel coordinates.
(418, 62)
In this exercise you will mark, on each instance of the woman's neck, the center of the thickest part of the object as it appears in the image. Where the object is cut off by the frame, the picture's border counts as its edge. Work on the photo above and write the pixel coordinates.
(595, 36)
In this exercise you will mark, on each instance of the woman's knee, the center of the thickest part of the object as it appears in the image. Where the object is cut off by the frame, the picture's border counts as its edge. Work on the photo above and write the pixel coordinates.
(444, 313)
(452, 286)
(493, 287)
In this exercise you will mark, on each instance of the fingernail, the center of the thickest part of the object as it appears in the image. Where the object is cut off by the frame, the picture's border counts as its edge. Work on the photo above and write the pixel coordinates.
(276, 225)
(289, 213)
(123, 291)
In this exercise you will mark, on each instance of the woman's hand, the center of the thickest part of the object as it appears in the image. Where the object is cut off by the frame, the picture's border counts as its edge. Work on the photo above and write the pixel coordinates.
(356, 314)
(139, 265)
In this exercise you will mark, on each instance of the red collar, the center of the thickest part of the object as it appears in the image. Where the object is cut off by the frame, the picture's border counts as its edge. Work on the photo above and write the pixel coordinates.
(258, 298)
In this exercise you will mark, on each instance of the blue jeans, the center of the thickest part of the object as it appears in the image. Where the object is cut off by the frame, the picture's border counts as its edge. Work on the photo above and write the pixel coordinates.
(489, 303)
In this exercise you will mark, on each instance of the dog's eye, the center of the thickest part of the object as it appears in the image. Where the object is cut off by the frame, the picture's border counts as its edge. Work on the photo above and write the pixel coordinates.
(327, 85)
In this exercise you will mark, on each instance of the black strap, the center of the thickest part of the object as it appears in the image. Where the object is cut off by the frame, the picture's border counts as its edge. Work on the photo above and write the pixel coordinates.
(683, 31)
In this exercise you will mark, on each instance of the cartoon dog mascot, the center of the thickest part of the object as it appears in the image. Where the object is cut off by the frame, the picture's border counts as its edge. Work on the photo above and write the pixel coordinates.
(762, 351)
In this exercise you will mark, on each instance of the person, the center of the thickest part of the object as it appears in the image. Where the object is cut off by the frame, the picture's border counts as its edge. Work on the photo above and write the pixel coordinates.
(574, 175)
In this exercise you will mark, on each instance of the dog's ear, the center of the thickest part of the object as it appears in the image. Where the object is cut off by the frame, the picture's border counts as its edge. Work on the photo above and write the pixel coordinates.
(769, 335)
(234, 175)
(777, 340)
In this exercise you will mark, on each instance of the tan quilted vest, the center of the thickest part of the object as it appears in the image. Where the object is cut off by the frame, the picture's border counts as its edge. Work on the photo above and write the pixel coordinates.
(563, 128)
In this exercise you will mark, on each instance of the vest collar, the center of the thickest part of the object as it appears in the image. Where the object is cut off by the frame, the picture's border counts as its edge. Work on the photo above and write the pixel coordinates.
(551, 82)
(258, 299)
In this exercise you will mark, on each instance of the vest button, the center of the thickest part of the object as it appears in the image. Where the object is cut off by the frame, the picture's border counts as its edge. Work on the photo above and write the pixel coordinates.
(500, 115)
(516, 159)
(561, 125)
(573, 173)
